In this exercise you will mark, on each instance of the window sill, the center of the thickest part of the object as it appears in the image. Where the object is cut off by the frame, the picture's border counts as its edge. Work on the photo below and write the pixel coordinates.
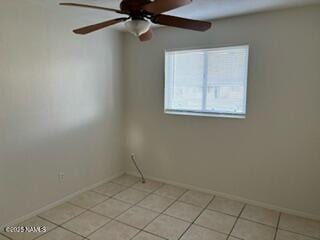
(199, 114)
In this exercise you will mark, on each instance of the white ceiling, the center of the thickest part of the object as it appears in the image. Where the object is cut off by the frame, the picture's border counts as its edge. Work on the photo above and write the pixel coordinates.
(199, 9)
(212, 9)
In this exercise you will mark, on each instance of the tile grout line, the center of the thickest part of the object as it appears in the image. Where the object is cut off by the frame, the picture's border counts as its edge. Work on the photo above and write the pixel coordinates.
(111, 218)
(237, 219)
(260, 223)
(46, 233)
(301, 234)
(277, 228)
(194, 205)
(228, 214)
(177, 200)
(56, 225)
(69, 220)
(150, 193)
(153, 234)
(162, 212)
(211, 229)
(115, 218)
(61, 225)
(89, 209)
(132, 205)
(192, 223)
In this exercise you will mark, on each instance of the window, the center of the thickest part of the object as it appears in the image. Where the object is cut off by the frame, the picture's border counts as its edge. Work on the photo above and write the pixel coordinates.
(207, 82)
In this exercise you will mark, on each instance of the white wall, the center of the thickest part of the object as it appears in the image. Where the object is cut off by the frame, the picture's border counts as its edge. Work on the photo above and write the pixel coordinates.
(60, 107)
(273, 156)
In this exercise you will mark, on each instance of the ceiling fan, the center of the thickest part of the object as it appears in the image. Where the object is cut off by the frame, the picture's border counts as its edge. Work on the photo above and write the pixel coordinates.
(141, 13)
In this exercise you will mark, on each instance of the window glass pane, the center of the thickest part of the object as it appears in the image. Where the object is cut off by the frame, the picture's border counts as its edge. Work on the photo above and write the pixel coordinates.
(227, 72)
(187, 85)
(207, 81)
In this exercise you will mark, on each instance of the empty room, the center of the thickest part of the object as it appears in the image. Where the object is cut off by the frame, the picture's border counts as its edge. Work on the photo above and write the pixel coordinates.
(159, 120)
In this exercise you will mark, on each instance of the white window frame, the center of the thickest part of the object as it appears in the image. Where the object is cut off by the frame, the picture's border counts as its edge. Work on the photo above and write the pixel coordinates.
(204, 113)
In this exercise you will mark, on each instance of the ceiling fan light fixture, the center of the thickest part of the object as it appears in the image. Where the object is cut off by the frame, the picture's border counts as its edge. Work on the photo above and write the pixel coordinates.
(138, 26)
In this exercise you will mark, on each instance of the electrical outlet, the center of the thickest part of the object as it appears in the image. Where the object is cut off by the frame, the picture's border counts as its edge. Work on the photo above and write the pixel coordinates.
(61, 176)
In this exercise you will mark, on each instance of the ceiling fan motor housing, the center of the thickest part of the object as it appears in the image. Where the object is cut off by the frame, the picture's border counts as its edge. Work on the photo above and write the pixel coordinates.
(133, 6)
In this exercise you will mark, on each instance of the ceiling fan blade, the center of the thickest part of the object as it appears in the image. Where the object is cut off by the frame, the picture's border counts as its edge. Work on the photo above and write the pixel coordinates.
(94, 7)
(98, 26)
(160, 6)
(179, 22)
(146, 36)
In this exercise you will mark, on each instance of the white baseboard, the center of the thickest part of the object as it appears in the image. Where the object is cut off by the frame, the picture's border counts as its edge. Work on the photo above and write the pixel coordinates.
(233, 197)
(56, 203)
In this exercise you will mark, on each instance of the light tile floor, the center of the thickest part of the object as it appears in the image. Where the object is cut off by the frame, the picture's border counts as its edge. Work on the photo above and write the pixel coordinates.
(126, 209)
